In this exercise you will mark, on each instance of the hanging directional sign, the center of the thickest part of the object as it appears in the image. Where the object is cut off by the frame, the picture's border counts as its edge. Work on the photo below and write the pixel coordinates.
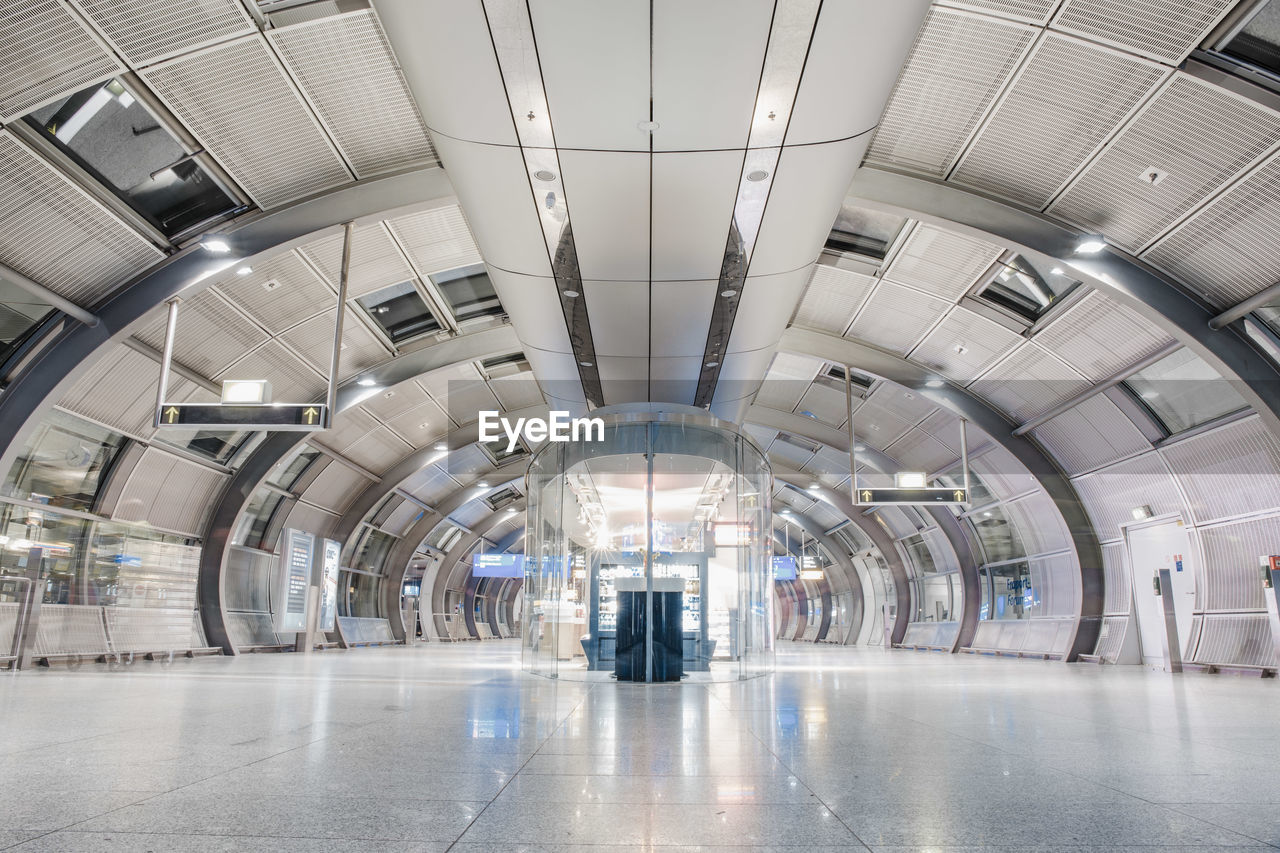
(274, 416)
(872, 497)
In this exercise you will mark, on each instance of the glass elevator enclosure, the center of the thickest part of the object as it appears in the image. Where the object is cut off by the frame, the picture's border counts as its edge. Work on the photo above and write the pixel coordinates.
(647, 553)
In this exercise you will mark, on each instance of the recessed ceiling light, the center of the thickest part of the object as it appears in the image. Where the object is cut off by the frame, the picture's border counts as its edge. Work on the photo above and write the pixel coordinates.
(366, 382)
(425, 426)
(245, 270)
(859, 447)
(713, 364)
(389, 394)
(484, 484)
(757, 176)
(1150, 395)
(544, 175)
(440, 445)
(647, 126)
(1056, 271)
(813, 487)
(935, 383)
(1091, 244)
(215, 244)
(728, 294)
(786, 511)
(585, 363)
(572, 294)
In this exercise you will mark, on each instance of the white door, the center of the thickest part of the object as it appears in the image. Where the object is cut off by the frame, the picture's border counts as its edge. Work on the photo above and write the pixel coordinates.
(1161, 545)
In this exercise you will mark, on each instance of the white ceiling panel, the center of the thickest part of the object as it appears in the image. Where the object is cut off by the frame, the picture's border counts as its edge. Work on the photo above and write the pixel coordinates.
(862, 40)
(349, 426)
(376, 262)
(877, 426)
(623, 379)
(534, 305)
(941, 262)
(313, 340)
(786, 382)
(909, 404)
(378, 450)
(1098, 336)
(292, 381)
(896, 317)
(145, 31)
(461, 390)
(686, 315)
(824, 403)
(608, 195)
(674, 379)
(1028, 382)
(46, 52)
(1166, 30)
(518, 391)
(600, 108)
(809, 186)
(420, 425)
(119, 390)
(919, 451)
(832, 299)
(693, 198)
(211, 334)
(1091, 435)
(764, 308)
(494, 190)
(430, 484)
(1031, 11)
(963, 345)
(619, 312)
(739, 380)
(453, 73)
(279, 292)
(706, 69)
(391, 402)
(436, 240)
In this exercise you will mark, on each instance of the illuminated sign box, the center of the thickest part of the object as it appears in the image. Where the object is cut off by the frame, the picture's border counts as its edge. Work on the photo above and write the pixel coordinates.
(300, 417)
(732, 535)
(497, 565)
(784, 568)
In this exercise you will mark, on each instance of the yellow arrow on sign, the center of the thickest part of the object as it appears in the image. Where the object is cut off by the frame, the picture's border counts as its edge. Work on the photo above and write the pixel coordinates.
(311, 413)
(172, 414)
(866, 495)
(959, 495)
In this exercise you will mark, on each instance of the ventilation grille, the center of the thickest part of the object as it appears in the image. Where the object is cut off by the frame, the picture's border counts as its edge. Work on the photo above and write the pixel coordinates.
(963, 345)
(1091, 435)
(279, 292)
(956, 68)
(1119, 589)
(1162, 29)
(1029, 382)
(335, 488)
(1198, 133)
(292, 381)
(833, 298)
(379, 450)
(45, 52)
(436, 240)
(1099, 337)
(1235, 638)
(1229, 471)
(242, 108)
(148, 30)
(1031, 11)
(1228, 250)
(1111, 638)
(897, 317)
(1066, 101)
(375, 260)
(1110, 495)
(1232, 574)
(346, 69)
(211, 334)
(169, 492)
(56, 235)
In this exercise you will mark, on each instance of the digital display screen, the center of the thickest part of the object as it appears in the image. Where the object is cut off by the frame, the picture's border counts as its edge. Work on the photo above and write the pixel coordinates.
(498, 565)
(784, 568)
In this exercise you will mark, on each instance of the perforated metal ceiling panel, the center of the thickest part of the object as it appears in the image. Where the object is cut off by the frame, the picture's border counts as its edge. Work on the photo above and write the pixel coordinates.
(1200, 135)
(1162, 29)
(1039, 524)
(119, 390)
(1031, 11)
(964, 344)
(421, 424)
(379, 450)
(957, 67)
(313, 340)
(1228, 471)
(45, 52)
(823, 403)
(348, 428)
(292, 381)
(335, 488)
(376, 262)
(1065, 101)
(169, 492)
(1098, 337)
(145, 31)
(345, 68)
(897, 317)
(240, 105)
(787, 380)
(279, 292)
(878, 426)
(430, 485)
(833, 297)
(1110, 495)
(941, 262)
(1029, 382)
(52, 232)
(1003, 474)
(1090, 435)
(211, 334)
(1230, 249)
(517, 391)
(919, 451)
(1115, 566)
(436, 240)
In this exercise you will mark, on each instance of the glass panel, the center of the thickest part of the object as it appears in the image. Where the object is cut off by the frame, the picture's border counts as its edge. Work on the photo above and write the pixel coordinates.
(19, 313)
(400, 311)
(63, 463)
(116, 139)
(1000, 541)
(935, 600)
(919, 555)
(1027, 287)
(865, 232)
(468, 292)
(1259, 42)
(372, 553)
(360, 595)
(256, 518)
(1006, 591)
(289, 474)
(1182, 391)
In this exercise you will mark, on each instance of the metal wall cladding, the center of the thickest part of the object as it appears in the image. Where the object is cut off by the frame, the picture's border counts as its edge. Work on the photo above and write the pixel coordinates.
(832, 299)
(958, 66)
(148, 30)
(1055, 582)
(1110, 494)
(246, 580)
(1117, 579)
(347, 71)
(251, 629)
(119, 390)
(169, 492)
(312, 519)
(336, 487)
(405, 514)
(53, 232)
(358, 629)
(71, 629)
(151, 629)
(1091, 435)
(1029, 382)
(1111, 638)
(964, 344)
(1066, 100)
(1166, 30)
(941, 262)
(1235, 638)
(1098, 336)
(45, 52)
(1232, 579)
(1229, 471)
(1002, 473)
(242, 108)
(1228, 251)
(1039, 524)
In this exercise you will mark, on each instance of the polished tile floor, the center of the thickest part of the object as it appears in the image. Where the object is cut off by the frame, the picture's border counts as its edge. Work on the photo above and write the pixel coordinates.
(452, 748)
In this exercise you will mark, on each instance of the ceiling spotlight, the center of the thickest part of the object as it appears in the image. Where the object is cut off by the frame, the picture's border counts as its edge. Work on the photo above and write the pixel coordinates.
(366, 382)
(813, 487)
(440, 445)
(1056, 271)
(544, 175)
(572, 294)
(245, 270)
(786, 511)
(484, 484)
(585, 363)
(757, 176)
(934, 383)
(215, 244)
(713, 364)
(1091, 244)
(728, 294)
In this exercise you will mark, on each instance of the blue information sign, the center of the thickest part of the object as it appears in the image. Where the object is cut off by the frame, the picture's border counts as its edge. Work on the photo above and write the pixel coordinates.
(784, 568)
(498, 565)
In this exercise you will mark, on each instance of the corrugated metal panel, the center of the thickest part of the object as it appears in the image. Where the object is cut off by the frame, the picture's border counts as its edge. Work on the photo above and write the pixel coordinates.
(147, 30)
(335, 488)
(1031, 11)
(941, 262)
(1111, 638)
(279, 292)
(1029, 382)
(897, 317)
(956, 69)
(169, 492)
(1229, 471)
(964, 344)
(1229, 580)
(1098, 337)
(379, 450)
(375, 261)
(1110, 495)
(119, 390)
(919, 451)
(345, 67)
(313, 340)
(1039, 524)
(1235, 638)
(1199, 134)
(45, 52)
(1117, 581)
(242, 108)
(1230, 249)
(211, 334)
(1091, 435)
(833, 297)
(436, 240)
(1068, 98)
(1162, 29)
(292, 381)
(53, 233)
